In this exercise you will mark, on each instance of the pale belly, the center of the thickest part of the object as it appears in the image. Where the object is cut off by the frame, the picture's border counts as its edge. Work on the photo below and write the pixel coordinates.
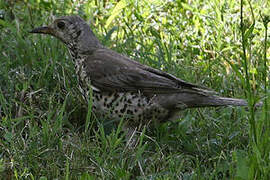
(134, 107)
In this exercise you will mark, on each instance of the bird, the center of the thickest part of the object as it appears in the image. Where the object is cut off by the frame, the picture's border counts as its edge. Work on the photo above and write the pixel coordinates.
(122, 88)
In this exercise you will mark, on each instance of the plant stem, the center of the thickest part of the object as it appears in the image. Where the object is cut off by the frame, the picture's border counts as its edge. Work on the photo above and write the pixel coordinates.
(265, 22)
(248, 86)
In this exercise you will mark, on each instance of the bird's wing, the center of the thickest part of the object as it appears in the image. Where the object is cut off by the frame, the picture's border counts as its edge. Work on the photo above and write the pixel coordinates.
(111, 71)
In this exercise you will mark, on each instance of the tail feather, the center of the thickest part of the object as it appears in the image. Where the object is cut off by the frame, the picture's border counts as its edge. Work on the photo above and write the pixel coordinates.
(222, 101)
(193, 99)
(198, 100)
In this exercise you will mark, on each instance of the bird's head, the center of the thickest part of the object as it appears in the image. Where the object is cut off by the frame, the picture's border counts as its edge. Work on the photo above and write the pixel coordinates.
(71, 30)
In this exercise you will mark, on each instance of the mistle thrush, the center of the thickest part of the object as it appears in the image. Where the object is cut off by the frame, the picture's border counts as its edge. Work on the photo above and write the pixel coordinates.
(124, 88)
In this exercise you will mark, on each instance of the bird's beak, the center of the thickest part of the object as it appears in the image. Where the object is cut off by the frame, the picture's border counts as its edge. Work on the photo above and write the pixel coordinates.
(43, 30)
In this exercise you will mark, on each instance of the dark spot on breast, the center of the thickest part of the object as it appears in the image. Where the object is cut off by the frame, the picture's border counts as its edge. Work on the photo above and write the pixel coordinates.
(129, 112)
(110, 104)
(125, 106)
(114, 99)
(122, 110)
(116, 95)
(78, 33)
(97, 96)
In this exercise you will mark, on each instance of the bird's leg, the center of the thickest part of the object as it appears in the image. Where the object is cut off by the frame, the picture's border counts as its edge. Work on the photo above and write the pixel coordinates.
(131, 135)
(134, 134)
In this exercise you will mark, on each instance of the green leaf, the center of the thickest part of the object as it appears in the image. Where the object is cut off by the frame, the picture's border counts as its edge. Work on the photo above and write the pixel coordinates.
(187, 6)
(242, 168)
(116, 11)
(109, 34)
(4, 23)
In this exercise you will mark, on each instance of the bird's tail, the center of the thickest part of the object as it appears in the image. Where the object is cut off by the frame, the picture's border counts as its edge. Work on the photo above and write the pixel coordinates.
(222, 101)
(202, 100)
(199, 98)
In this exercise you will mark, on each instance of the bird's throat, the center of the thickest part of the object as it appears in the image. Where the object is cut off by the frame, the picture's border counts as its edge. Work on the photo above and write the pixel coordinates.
(73, 53)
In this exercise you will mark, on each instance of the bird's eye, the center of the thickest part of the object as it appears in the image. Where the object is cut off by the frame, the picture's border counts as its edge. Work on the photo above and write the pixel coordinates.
(61, 25)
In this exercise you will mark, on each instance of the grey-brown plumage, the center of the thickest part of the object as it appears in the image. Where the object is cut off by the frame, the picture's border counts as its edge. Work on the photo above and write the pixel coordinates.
(123, 87)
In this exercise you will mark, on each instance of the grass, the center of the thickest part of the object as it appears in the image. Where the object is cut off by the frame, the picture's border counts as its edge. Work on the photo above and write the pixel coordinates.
(45, 127)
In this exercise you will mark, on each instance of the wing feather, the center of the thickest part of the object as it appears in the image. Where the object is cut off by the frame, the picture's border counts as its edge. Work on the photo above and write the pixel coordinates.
(111, 71)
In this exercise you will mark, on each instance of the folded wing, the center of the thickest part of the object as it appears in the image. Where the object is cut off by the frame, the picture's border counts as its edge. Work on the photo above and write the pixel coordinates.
(110, 71)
